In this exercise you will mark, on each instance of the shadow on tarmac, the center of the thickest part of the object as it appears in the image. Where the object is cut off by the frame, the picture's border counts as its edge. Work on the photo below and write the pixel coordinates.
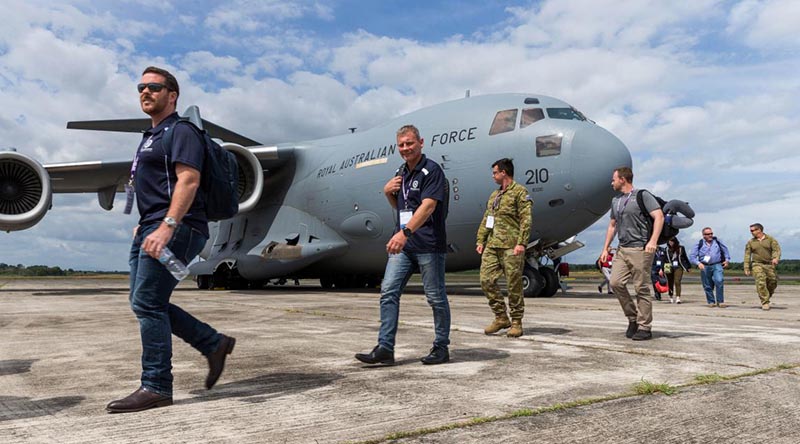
(17, 407)
(265, 387)
(16, 366)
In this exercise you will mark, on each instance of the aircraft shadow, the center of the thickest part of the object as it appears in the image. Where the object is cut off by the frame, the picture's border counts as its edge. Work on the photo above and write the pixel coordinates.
(16, 366)
(17, 407)
(265, 387)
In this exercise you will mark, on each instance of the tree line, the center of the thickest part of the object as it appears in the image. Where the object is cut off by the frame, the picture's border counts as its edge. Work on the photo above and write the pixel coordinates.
(44, 270)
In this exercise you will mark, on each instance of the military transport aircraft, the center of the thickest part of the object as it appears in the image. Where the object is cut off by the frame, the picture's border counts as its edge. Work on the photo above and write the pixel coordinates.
(316, 209)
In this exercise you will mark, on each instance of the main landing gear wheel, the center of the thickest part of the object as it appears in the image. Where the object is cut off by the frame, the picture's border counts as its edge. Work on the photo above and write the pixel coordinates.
(532, 282)
(551, 283)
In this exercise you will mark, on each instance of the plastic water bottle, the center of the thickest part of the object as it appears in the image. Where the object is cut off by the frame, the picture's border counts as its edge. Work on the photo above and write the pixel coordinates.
(173, 264)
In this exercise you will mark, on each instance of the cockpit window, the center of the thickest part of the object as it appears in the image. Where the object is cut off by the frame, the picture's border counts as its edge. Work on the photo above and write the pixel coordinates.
(548, 145)
(530, 116)
(504, 121)
(565, 114)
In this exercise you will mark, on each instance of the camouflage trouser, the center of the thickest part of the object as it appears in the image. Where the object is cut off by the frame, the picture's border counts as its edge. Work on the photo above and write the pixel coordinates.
(766, 281)
(494, 263)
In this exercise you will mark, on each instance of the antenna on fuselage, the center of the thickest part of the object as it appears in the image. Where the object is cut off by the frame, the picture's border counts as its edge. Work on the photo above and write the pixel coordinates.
(466, 95)
(352, 129)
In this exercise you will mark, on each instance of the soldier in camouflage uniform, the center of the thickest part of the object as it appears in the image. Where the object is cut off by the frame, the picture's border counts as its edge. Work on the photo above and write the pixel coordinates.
(502, 239)
(764, 253)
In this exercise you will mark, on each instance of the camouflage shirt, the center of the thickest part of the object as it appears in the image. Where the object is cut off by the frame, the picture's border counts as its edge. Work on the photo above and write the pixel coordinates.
(512, 218)
(761, 251)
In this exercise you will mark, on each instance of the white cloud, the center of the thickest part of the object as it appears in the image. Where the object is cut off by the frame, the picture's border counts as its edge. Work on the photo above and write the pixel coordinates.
(766, 24)
(715, 124)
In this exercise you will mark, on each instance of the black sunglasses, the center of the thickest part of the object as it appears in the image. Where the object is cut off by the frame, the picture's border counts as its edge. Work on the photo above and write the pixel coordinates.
(153, 87)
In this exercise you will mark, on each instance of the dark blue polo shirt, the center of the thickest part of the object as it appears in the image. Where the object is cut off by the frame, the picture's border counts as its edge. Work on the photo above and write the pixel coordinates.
(427, 180)
(155, 176)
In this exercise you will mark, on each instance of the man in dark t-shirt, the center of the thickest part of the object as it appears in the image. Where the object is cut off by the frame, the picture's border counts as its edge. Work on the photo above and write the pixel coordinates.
(418, 194)
(637, 247)
(165, 182)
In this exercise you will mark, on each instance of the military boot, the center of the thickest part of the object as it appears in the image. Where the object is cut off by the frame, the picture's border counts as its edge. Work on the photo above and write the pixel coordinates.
(500, 322)
(516, 329)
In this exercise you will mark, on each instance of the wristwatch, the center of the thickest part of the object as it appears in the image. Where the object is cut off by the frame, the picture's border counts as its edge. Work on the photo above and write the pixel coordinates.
(407, 231)
(171, 222)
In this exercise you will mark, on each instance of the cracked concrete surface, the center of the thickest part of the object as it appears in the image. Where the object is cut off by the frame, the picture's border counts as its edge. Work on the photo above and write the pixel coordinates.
(72, 345)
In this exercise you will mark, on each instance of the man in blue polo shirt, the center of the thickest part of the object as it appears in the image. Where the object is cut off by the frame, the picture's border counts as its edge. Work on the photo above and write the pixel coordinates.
(418, 193)
(711, 256)
(165, 182)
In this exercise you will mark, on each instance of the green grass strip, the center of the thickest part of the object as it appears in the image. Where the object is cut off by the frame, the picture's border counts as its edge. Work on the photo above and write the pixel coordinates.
(641, 388)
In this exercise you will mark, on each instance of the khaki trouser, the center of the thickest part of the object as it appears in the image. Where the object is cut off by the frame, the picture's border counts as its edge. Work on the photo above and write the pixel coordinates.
(674, 280)
(633, 265)
(494, 263)
(766, 281)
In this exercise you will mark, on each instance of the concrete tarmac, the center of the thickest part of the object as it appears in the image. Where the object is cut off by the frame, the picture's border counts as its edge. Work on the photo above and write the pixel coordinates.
(69, 346)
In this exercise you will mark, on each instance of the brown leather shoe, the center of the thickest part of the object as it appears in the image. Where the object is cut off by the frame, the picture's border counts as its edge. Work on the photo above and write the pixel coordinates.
(137, 401)
(216, 359)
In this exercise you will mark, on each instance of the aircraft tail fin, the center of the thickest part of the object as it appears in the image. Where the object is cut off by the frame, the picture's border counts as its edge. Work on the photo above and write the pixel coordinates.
(141, 125)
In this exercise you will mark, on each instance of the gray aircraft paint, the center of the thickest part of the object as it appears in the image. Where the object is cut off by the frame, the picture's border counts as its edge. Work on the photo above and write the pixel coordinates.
(322, 210)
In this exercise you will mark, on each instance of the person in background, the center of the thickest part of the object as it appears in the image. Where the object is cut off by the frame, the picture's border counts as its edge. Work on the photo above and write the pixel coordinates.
(711, 256)
(605, 268)
(679, 263)
(763, 252)
(658, 273)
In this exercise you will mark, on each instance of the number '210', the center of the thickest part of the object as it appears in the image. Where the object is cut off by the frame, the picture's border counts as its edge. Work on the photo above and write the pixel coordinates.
(537, 176)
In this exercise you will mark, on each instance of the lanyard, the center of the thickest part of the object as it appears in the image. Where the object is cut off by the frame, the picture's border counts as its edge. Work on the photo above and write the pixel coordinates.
(129, 187)
(496, 203)
(406, 190)
(135, 163)
(624, 204)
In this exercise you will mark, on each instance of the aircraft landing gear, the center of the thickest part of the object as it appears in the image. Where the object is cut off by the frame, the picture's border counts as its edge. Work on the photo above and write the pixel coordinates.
(551, 282)
(532, 282)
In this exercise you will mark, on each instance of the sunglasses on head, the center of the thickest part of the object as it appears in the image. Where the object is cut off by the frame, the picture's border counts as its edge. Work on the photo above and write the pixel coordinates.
(153, 87)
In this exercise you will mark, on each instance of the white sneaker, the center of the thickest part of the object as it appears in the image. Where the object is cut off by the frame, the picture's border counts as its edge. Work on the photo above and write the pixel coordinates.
(678, 300)
(671, 300)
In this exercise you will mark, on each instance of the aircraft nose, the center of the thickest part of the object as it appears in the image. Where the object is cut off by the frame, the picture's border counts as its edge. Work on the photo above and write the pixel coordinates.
(595, 154)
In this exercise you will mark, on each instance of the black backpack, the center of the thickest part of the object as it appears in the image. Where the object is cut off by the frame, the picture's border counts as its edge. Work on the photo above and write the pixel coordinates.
(667, 231)
(219, 179)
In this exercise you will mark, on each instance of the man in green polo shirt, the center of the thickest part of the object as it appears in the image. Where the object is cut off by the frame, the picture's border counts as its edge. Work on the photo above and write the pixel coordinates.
(761, 255)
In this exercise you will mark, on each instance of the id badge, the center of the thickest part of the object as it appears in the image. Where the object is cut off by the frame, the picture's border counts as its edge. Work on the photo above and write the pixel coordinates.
(490, 221)
(129, 195)
(405, 217)
(706, 258)
(674, 263)
(658, 263)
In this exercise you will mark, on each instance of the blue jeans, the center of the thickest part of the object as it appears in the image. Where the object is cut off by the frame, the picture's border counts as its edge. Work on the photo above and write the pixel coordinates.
(399, 269)
(151, 288)
(712, 276)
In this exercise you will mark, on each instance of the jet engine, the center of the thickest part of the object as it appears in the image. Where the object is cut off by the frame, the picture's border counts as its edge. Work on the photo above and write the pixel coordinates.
(251, 176)
(25, 192)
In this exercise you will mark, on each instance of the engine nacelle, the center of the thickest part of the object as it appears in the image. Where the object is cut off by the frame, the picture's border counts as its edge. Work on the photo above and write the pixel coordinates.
(25, 192)
(251, 176)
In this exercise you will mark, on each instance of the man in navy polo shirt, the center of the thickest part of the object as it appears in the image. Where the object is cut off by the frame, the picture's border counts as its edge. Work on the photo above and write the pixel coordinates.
(165, 181)
(418, 193)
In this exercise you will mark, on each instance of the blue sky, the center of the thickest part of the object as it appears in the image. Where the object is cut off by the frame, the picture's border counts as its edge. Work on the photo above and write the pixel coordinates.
(704, 93)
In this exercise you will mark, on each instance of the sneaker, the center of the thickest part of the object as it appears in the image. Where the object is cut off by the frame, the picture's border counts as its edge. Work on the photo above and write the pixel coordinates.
(678, 300)
(657, 296)
(712, 305)
(722, 305)
(765, 307)
(438, 355)
(600, 289)
(632, 328)
(642, 335)
(671, 300)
